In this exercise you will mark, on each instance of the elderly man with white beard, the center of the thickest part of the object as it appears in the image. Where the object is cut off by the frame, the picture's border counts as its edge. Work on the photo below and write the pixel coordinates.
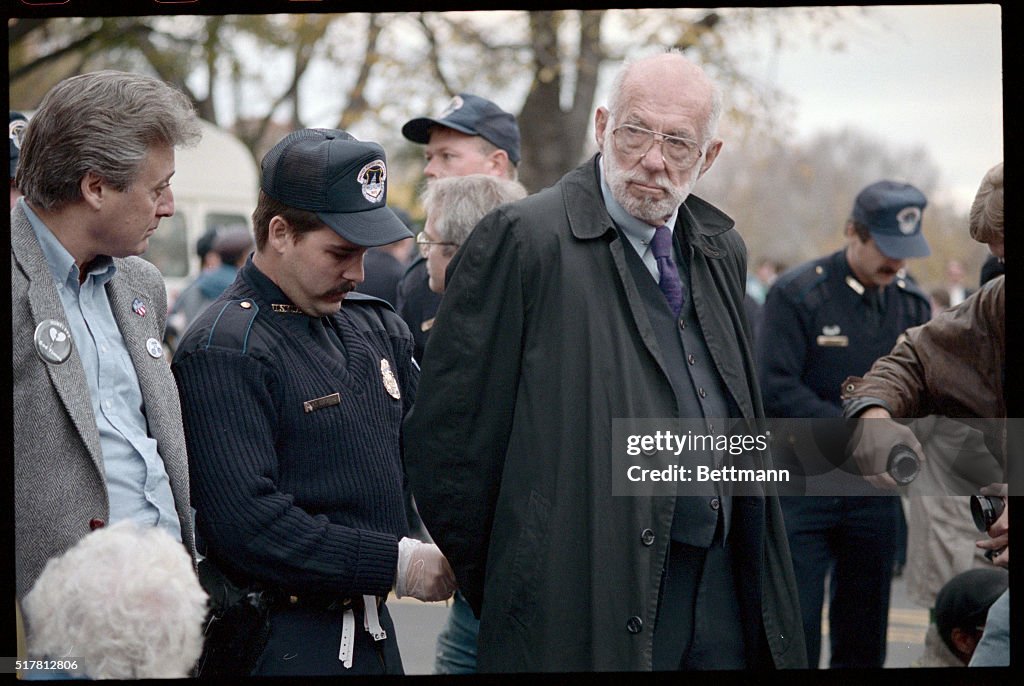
(614, 294)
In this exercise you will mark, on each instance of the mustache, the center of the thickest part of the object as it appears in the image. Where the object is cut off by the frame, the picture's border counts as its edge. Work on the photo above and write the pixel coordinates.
(344, 289)
(661, 180)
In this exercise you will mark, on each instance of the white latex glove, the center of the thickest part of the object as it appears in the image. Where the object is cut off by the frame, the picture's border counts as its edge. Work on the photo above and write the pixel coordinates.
(423, 572)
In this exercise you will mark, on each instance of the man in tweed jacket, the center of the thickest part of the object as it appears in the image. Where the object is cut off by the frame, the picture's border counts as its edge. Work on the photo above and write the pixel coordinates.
(97, 424)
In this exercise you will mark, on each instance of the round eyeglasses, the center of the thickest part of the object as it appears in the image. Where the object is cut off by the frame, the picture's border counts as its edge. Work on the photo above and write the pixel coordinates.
(680, 153)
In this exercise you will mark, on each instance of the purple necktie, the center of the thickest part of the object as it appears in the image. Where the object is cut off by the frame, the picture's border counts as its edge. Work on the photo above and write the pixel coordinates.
(668, 273)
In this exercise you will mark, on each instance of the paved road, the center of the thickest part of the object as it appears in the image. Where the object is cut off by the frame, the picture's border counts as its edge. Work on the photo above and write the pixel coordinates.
(419, 623)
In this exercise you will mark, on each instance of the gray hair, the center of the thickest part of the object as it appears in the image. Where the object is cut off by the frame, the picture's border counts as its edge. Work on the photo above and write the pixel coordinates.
(986, 220)
(710, 125)
(104, 122)
(125, 601)
(455, 204)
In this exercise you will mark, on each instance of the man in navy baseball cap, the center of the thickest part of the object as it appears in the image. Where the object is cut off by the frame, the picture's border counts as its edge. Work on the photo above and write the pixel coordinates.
(471, 135)
(825, 320)
(464, 117)
(892, 211)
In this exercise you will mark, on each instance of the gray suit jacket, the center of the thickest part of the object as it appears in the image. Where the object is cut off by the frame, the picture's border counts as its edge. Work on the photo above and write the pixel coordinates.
(59, 482)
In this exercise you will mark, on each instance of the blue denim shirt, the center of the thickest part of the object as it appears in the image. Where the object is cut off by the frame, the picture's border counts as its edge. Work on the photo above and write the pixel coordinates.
(137, 483)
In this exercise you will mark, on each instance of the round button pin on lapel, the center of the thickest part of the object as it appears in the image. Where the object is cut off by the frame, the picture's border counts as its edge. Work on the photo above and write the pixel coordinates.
(53, 341)
(154, 348)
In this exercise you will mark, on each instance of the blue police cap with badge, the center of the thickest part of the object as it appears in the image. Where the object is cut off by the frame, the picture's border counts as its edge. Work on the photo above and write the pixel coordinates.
(341, 179)
(892, 211)
(16, 131)
(474, 116)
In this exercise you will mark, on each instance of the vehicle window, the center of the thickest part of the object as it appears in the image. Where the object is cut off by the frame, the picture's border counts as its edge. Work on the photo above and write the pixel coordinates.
(219, 220)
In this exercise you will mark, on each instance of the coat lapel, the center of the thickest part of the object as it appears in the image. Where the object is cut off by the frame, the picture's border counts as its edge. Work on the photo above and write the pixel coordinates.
(68, 378)
(718, 315)
(636, 303)
(133, 330)
(137, 331)
(159, 393)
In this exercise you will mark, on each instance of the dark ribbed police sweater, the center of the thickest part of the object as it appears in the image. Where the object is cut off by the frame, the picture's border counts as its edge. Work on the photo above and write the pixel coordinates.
(294, 445)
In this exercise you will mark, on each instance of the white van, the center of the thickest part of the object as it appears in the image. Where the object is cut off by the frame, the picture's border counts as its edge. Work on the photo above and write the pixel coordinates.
(215, 184)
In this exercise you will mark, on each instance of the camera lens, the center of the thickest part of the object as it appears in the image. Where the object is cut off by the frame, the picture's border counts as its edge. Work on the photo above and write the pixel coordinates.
(903, 464)
(985, 510)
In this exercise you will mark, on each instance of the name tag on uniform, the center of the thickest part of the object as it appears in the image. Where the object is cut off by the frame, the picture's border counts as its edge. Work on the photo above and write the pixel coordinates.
(833, 341)
(321, 403)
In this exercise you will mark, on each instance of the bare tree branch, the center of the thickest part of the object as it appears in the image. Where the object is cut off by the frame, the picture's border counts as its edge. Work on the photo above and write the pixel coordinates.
(80, 45)
(357, 105)
(434, 60)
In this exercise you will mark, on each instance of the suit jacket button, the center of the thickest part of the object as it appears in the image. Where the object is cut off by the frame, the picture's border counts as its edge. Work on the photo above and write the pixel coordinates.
(715, 503)
(647, 537)
(96, 523)
(634, 625)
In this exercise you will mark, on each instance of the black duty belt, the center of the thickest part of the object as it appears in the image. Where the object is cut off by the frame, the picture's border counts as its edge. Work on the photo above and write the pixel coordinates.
(323, 601)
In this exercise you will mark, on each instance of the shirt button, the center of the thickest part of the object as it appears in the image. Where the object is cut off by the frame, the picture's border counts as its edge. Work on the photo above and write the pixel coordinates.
(634, 625)
(715, 503)
(96, 523)
(691, 359)
(702, 393)
(647, 537)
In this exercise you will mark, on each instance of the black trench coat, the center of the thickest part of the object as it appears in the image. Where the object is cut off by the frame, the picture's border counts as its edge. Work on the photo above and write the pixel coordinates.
(540, 341)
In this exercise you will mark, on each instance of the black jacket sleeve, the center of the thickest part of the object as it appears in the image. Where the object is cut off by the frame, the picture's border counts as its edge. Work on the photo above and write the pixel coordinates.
(457, 433)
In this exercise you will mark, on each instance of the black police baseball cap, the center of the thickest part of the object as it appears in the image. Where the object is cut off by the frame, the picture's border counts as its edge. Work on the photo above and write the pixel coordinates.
(16, 131)
(341, 179)
(892, 212)
(965, 599)
(472, 115)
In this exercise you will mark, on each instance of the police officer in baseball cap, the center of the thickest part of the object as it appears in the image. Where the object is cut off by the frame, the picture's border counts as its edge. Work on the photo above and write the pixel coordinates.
(824, 320)
(293, 392)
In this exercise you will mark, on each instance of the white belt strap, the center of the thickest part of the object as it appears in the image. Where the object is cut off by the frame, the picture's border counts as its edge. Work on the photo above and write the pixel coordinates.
(371, 622)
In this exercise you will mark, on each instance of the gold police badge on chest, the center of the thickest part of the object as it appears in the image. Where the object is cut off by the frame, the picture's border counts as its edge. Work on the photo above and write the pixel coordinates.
(390, 382)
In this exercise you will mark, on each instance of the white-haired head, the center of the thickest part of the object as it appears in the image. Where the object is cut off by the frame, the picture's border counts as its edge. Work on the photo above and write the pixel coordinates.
(125, 601)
